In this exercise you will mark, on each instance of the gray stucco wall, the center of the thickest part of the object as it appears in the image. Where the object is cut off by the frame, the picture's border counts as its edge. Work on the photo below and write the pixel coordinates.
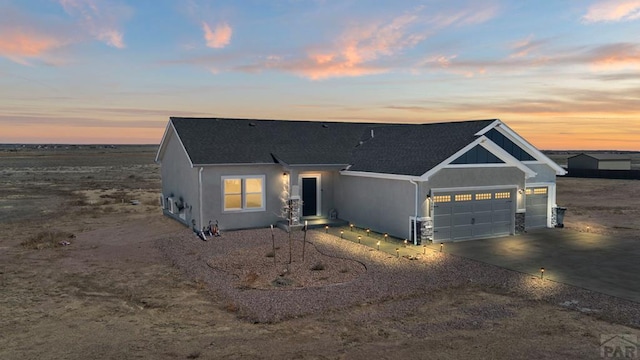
(212, 196)
(178, 178)
(544, 173)
(380, 204)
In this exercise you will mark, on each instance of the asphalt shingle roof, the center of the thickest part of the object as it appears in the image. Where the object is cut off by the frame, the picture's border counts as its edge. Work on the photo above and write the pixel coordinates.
(404, 149)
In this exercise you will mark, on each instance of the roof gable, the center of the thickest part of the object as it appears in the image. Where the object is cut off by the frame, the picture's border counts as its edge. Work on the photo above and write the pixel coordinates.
(415, 149)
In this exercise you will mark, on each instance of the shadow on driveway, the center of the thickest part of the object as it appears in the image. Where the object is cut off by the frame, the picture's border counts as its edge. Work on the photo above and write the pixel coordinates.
(602, 263)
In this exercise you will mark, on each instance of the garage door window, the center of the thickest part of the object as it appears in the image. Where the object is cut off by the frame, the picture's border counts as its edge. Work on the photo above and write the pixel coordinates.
(442, 198)
(503, 195)
(484, 196)
(463, 197)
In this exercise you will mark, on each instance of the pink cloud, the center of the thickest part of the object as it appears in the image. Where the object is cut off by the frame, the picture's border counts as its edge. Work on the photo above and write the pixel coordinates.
(218, 38)
(613, 10)
(102, 20)
(354, 52)
(19, 44)
(616, 56)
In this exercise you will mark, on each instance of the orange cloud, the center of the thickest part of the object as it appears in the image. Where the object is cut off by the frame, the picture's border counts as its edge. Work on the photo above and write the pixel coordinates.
(218, 38)
(356, 49)
(18, 44)
(613, 10)
(616, 56)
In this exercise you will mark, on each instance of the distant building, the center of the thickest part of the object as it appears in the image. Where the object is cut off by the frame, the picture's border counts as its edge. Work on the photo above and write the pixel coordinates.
(600, 162)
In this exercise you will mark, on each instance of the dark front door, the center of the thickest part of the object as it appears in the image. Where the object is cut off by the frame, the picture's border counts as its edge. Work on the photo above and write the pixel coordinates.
(309, 196)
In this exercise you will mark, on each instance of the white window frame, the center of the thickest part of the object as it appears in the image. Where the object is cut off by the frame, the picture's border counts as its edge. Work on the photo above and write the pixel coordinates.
(243, 193)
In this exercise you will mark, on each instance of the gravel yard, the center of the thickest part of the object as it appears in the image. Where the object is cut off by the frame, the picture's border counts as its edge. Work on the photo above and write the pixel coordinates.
(237, 268)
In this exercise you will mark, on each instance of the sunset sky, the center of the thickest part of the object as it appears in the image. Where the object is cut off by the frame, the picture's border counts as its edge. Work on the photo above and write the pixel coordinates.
(563, 74)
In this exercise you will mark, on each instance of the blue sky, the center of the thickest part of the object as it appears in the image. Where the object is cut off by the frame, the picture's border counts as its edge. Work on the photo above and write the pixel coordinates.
(564, 74)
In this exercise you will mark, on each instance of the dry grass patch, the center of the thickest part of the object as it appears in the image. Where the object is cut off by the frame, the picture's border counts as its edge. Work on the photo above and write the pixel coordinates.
(47, 239)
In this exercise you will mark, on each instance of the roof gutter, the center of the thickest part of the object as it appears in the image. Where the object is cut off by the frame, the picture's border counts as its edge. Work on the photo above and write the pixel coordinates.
(415, 223)
(200, 195)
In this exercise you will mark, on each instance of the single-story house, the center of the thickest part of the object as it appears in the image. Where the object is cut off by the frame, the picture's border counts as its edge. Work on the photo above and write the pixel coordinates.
(436, 181)
(599, 162)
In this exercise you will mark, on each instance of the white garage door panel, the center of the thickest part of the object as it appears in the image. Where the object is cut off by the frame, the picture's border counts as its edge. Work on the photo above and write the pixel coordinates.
(472, 214)
(536, 214)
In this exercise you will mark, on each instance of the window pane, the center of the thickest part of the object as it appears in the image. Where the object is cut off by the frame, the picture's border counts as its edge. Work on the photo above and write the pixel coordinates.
(232, 202)
(232, 186)
(253, 185)
(254, 201)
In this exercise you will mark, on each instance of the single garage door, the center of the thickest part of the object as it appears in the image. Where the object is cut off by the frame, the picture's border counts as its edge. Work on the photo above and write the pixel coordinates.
(465, 215)
(536, 215)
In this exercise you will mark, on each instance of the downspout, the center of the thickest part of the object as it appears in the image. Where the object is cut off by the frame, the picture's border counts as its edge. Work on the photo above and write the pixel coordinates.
(200, 195)
(415, 224)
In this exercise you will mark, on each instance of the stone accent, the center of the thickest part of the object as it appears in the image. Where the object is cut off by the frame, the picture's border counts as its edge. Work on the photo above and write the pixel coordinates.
(554, 216)
(520, 223)
(293, 211)
(426, 230)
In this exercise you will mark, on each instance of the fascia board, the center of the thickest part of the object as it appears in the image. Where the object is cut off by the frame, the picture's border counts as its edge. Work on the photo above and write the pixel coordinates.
(497, 122)
(446, 162)
(506, 157)
(181, 144)
(162, 142)
(513, 136)
(379, 175)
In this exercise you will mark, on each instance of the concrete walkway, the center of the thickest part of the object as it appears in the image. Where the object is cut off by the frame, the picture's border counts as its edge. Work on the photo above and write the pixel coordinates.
(606, 264)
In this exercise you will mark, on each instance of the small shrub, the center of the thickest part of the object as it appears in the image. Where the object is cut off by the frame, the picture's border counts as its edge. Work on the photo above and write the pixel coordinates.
(249, 281)
(194, 355)
(47, 239)
(282, 281)
(270, 254)
(231, 307)
(318, 267)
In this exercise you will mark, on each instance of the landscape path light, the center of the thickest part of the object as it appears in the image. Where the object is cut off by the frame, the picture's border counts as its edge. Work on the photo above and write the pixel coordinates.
(378, 243)
(397, 252)
(542, 273)
(341, 234)
(368, 232)
(351, 226)
(424, 251)
(405, 242)
(359, 238)
(386, 236)
(441, 246)
(326, 229)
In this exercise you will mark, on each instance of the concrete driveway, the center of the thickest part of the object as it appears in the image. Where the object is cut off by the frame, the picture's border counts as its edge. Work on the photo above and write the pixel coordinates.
(603, 263)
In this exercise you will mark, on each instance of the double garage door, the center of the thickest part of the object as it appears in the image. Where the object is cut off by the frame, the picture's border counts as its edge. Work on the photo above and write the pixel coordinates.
(465, 215)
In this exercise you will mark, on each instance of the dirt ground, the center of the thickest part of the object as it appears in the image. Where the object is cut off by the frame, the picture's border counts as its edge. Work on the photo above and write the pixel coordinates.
(112, 294)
